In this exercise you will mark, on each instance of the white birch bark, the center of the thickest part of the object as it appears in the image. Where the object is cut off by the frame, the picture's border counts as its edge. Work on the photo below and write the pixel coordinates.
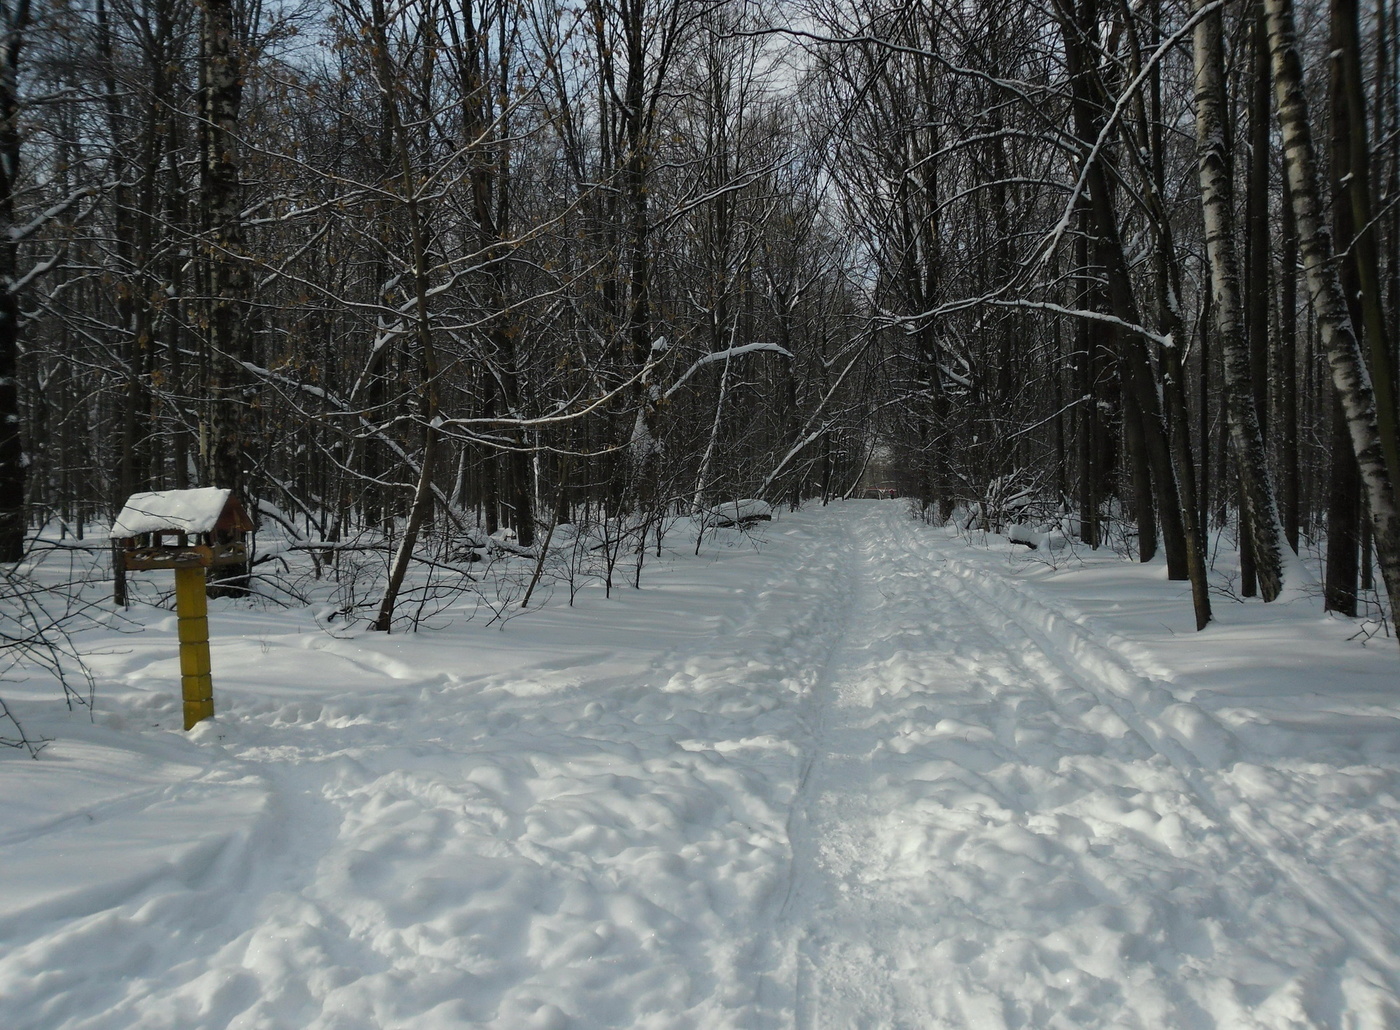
(1261, 522)
(1349, 374)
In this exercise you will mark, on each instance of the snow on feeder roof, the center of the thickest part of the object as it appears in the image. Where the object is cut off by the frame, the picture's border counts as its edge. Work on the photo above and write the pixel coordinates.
(207, 527)
(178, 511)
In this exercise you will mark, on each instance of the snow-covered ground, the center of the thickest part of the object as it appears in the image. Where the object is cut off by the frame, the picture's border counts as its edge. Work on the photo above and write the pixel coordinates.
(864, 776)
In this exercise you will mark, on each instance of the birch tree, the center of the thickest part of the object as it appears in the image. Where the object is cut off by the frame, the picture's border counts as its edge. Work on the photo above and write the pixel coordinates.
(1265, 536)
(1350, 377)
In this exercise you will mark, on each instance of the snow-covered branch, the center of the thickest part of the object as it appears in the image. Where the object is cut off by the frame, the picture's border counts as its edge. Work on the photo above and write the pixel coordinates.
(724, 355)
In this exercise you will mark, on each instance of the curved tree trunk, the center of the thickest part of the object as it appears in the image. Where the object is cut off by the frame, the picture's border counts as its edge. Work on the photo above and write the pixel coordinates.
(1349, 374)
(1362, 251)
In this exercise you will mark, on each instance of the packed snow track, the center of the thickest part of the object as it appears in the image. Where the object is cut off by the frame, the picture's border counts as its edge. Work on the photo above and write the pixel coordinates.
(862, 776)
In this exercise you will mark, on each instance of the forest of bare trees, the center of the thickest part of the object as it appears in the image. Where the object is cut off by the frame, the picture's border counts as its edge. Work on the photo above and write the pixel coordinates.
(403, 272)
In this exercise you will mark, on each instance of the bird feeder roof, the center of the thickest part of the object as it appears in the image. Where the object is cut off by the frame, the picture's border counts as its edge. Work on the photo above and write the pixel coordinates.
(180, 511)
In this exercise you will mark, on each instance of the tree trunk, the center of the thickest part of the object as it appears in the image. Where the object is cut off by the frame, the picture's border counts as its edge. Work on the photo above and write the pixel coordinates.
(1287, 364)
(1169, 292)
(1361, 247)
(417, 515)
(132, 474)
(1256, 266)
(1086, 336)
(418, 227)
(1149, 143)
(487, 131)
(1349, 374)
(1342, 570)
(1081, 40)
(1341, 578)
(1363, 258)
(1260, 512)
(228, 282)
(1139, 467)
(12, 472)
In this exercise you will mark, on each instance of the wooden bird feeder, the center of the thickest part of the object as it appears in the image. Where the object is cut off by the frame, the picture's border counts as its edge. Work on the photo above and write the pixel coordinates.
(177, 529)
(188, 531)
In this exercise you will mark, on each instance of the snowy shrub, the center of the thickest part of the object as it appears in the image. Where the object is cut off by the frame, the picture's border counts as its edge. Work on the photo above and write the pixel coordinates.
(42, 603)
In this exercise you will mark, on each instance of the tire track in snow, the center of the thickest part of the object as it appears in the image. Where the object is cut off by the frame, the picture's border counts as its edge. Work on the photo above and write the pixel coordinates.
(1198, 740)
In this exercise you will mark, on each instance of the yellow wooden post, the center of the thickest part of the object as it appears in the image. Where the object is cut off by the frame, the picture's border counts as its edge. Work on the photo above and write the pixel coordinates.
(192, 611)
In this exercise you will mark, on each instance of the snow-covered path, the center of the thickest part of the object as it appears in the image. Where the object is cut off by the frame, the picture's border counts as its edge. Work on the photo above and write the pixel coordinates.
(1006, 823)
(862, 778)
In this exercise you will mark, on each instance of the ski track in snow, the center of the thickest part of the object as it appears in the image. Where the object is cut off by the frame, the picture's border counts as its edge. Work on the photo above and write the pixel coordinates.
(1194, 742)
(863, 779)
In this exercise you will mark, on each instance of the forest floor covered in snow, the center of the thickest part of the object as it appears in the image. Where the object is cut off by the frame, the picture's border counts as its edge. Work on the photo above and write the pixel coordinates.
(850, 771)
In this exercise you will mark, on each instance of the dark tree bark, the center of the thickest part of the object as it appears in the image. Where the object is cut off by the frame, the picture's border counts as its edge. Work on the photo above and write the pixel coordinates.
(1363, 258)
(227, 281)
(1287, 366)
(1135, 450)
(417, 217)
(14, 20)
(1361, 246)
(1167, 267)
(486, 131)
(1081, 41)
(1092, 474)
(1343, 573)
(1257, 267)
